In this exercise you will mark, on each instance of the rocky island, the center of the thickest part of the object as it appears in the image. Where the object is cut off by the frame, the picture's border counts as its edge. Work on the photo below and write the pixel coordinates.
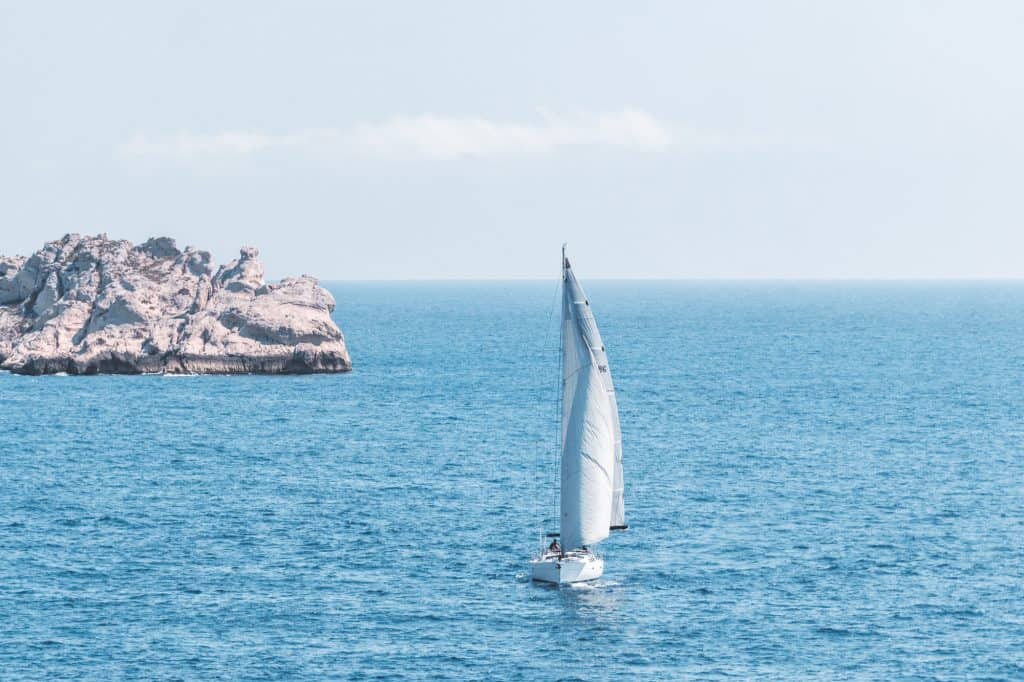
(93, 305)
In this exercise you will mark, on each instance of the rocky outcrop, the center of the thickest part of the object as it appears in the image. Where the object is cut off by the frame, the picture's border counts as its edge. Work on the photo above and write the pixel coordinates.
(88, 305)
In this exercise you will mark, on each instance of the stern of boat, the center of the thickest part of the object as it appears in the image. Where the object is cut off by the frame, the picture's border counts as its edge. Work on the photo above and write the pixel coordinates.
(563, 569)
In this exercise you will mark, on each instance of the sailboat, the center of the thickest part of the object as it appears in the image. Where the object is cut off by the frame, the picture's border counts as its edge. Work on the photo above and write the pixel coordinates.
(591, 505)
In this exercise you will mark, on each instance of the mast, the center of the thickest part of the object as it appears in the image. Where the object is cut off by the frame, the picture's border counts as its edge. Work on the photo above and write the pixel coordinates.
(561, 391)
(561, 354)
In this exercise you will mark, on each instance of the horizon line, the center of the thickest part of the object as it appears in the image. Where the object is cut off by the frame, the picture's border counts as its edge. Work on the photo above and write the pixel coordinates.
(980, 279)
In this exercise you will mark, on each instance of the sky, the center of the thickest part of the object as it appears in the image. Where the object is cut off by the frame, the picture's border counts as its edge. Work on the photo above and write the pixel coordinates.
(450, 140)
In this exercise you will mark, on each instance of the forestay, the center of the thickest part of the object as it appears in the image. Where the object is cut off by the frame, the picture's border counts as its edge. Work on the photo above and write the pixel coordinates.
(591, 490)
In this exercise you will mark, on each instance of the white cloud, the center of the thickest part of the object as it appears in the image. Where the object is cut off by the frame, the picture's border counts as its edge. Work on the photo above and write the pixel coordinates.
(436, 137)
(186, 146)
(426, 137)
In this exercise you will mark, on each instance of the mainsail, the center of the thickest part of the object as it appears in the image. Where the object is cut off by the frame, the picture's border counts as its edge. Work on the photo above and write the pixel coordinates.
(591, 440)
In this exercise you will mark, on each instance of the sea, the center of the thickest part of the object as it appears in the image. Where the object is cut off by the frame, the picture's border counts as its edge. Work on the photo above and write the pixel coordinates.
(823, 481)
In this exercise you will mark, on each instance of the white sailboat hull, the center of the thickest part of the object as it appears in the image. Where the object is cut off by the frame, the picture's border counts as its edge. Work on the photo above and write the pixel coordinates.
(573, 567)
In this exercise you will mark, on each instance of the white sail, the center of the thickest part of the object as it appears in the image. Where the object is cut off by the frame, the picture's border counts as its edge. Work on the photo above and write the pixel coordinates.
(591, 491)
(618, 504)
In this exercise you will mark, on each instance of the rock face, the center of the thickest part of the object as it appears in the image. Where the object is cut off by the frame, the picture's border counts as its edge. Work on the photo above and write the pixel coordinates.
(89, 305)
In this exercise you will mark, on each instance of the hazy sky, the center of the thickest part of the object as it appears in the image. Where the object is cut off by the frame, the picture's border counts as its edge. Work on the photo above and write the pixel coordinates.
(446, 140)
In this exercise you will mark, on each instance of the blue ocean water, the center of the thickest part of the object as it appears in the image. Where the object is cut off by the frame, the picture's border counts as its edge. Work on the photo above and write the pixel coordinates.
(824, 480)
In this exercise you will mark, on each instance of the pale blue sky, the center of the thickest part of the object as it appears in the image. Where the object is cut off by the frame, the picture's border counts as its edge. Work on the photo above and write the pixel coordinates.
(448, 140)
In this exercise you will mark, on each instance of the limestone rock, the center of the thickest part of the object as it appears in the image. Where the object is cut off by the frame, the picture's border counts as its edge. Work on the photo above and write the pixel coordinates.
(87, 305)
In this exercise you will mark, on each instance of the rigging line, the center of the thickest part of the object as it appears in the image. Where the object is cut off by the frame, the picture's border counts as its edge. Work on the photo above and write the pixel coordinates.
(559, 390)
(557, 449)
(544, 349)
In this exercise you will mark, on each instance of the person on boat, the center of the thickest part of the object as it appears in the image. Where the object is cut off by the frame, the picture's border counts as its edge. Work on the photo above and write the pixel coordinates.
(555, 547)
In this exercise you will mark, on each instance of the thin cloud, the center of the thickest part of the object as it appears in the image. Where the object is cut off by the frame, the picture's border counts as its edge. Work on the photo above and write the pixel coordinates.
(185, 146)
(436, 137)
(426, 137)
